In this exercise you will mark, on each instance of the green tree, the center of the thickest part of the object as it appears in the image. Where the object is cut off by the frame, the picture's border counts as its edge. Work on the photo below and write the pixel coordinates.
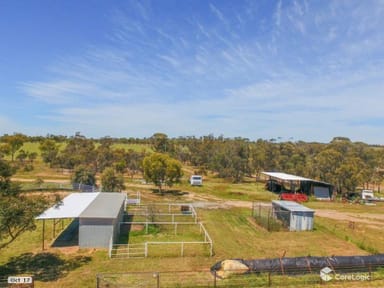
(22, 156)
(162, 170)
(258, 157)
(105, 155)
(112, 181)
(15, 142)
(49, 151)
(17, 212)
(133, 162)
(231, 160)
(350, 174)
(83, 175)
(5, 149)
(78, 151)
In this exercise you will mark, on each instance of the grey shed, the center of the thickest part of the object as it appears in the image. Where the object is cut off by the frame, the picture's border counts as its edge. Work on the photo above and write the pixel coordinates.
(295, 216)
(101, 220)
(97, 217)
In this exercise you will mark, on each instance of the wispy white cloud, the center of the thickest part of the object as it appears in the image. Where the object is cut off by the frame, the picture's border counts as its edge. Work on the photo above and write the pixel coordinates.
(217, 12)
(298, 71)
(57, 92)
(278, 14)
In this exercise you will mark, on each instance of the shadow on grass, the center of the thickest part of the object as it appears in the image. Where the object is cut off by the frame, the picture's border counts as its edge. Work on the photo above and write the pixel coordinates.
(169, 192)
(42, 266)
(68, 237)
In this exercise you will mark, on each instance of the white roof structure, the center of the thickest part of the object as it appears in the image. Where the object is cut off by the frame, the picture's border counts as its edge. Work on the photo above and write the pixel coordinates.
(93, 204)
(286, 177)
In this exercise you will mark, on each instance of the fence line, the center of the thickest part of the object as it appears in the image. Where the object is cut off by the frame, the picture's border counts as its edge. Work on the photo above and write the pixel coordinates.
(150, 211)
(269, 218)
(122, 250)
(207, 278)
(134, 201)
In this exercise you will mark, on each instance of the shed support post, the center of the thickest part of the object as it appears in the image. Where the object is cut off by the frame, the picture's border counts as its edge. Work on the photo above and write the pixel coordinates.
(43, 234)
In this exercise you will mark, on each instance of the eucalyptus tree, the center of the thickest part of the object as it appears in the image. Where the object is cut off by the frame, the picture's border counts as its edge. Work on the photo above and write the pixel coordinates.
(231, 160)
(49, 150)
(161, 170)
(14, 142)
(104, 155)
(78, 151)
(83, 175)
(161, 143)
(111, 181)
(17, 211)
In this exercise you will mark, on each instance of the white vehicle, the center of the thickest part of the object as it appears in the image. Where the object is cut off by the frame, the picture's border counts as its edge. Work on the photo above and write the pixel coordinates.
(367, 195)
(196, 180)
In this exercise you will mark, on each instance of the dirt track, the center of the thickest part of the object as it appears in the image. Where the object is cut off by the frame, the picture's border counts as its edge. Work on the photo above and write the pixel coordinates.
(374, 220)
(371, 219)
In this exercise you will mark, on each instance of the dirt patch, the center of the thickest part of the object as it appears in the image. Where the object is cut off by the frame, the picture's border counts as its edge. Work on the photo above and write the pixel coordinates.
(137, 227)
(62, 181)
(374, 220)
(68, 250)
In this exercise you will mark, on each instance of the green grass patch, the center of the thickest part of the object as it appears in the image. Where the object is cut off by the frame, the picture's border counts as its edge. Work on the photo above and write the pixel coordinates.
(365, 237)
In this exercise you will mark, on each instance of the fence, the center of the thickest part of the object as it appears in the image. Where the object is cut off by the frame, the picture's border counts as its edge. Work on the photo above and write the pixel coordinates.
(161, 213)
(177, 216)
(205, 278)
(3, 282)
(169, 248)
(85, 188)
(134, 201)
(269, 218)
(35, 186)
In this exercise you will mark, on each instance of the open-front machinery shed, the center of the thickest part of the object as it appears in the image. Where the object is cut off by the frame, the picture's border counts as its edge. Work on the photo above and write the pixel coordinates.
(96, 217)
(286, 183)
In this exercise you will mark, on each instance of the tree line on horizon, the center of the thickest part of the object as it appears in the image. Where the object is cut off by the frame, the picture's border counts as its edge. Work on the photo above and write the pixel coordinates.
(343, 163)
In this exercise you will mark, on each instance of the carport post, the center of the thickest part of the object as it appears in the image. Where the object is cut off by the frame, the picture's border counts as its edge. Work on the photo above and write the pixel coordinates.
(43, 234)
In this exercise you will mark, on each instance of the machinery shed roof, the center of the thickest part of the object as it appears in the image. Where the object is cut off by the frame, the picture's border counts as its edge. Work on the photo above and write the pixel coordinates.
(86, 205)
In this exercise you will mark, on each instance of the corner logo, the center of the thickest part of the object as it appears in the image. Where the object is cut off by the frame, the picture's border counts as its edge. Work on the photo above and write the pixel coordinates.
(326, 274)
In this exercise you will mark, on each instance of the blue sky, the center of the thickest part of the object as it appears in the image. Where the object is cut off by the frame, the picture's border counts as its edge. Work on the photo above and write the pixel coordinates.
(293, 70)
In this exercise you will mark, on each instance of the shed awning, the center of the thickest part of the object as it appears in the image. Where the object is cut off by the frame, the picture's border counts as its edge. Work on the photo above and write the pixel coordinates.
(286, 177)
(70, 207)
(290, 177)
(86, 205)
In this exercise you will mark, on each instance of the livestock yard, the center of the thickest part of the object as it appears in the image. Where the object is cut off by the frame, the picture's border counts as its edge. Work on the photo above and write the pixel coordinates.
(225, 211)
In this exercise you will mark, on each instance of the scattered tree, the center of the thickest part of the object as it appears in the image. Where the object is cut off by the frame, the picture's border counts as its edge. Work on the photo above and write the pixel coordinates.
(15, 142)
(161, 169)
(49, 151)
(17, 212)
(112, 181)
(83, 175)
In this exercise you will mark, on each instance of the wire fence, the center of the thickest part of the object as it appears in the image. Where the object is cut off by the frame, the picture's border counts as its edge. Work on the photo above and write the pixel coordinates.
(269, 218)
(85, 188)
(3, 282)
(206, 278)
(41, 186)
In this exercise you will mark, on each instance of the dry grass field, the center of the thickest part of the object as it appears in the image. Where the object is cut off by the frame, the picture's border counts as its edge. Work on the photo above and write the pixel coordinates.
(225, 210)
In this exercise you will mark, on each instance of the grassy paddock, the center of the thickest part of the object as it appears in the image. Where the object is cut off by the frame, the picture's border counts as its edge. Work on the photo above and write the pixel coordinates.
(234, 234)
